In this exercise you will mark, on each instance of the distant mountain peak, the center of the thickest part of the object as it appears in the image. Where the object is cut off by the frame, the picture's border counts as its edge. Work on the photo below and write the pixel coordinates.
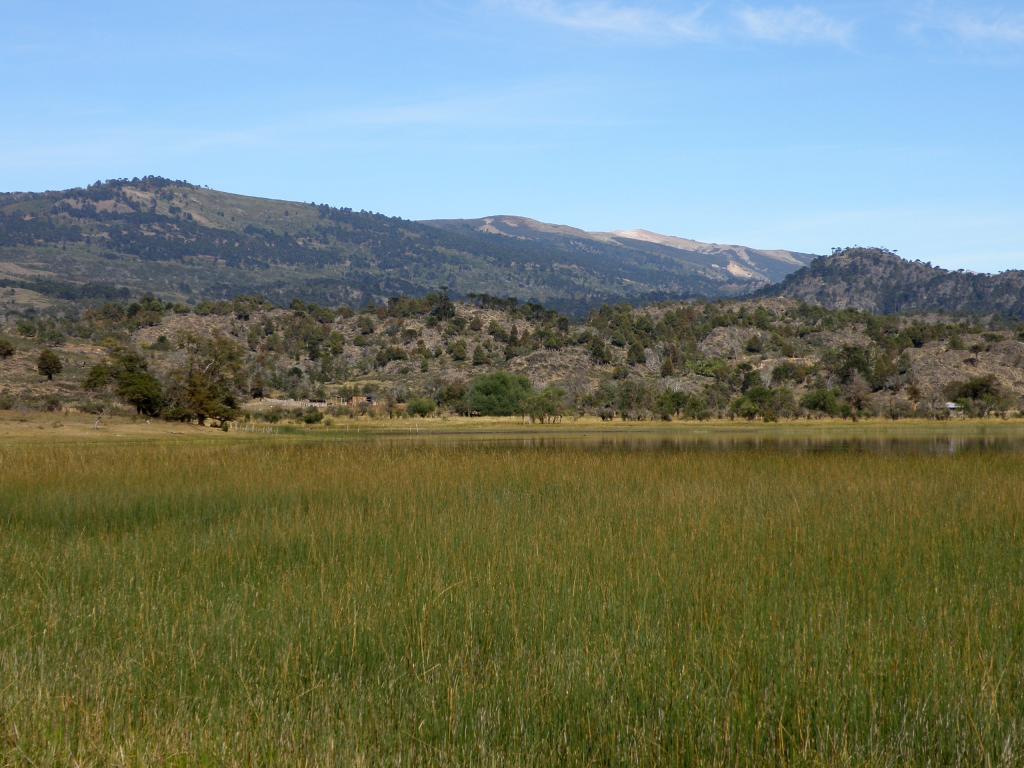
(521, 226)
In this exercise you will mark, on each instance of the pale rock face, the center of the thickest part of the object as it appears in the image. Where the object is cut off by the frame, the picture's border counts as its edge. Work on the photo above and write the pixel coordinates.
(742, 264)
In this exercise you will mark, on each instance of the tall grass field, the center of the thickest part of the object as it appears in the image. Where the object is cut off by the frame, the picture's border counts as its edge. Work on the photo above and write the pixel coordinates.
(292, 602)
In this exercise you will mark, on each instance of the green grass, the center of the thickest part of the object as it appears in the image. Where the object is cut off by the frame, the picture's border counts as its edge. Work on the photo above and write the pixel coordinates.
(304, 602)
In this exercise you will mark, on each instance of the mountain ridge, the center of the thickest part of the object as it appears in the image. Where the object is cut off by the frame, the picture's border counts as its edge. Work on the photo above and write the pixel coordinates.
(880, 281)
(743, 263)
(186, 242)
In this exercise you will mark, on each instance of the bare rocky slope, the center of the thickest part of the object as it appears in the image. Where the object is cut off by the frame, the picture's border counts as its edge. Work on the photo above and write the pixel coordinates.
(735, 269)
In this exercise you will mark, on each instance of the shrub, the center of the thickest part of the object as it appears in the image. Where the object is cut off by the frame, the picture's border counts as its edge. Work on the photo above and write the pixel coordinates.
(386, 354)
(365, 325)
(6, 348)
(162, 344)
(421, 406)
(599, 352)
(788, 372)
(497, 331)
(636, 355)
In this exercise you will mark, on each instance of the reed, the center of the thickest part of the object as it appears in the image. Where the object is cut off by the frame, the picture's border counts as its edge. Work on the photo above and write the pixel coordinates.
(318, 602)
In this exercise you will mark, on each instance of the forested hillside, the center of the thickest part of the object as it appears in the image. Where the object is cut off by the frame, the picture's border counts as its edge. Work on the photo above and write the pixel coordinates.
(877, 280)
(183, 242)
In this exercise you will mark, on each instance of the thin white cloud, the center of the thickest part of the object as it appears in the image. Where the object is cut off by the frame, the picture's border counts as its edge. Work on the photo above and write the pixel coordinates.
(999, 29)
(615, 19)
(799, 24)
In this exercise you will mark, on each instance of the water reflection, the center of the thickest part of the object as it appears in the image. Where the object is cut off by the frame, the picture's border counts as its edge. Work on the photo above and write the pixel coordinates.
(1002, 441)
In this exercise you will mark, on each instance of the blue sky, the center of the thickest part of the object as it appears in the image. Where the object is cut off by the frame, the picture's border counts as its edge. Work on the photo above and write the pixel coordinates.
(801, 126)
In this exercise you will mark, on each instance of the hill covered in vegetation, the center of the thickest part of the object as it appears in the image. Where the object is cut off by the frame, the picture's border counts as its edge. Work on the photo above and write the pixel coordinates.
(182, 242)
(763, 359)
(877, 280)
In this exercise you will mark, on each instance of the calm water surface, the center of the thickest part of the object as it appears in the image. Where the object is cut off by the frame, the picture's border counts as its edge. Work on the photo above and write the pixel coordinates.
(899, 440)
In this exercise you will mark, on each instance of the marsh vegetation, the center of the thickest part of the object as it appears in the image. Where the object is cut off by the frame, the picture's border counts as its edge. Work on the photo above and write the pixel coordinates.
(314, 602)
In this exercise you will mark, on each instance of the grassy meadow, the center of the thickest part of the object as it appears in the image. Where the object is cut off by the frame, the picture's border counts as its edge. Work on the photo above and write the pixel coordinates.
(313, 602)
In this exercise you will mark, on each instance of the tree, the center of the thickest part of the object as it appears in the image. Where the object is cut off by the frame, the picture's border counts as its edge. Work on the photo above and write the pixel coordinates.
(498, 394)
(857, 390)
(98, 377)
(127, 371)
(599, 352)
(199, 393)
(210, 381)
(666, 405)
(443, 307)
(142, 390)
(49, 364)
(694, 407)
(632, 399)
(978, 396)
(821, 401)
(770, 404)
(547, 405)
(849, 360)
(452, 395)
(6, 348)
